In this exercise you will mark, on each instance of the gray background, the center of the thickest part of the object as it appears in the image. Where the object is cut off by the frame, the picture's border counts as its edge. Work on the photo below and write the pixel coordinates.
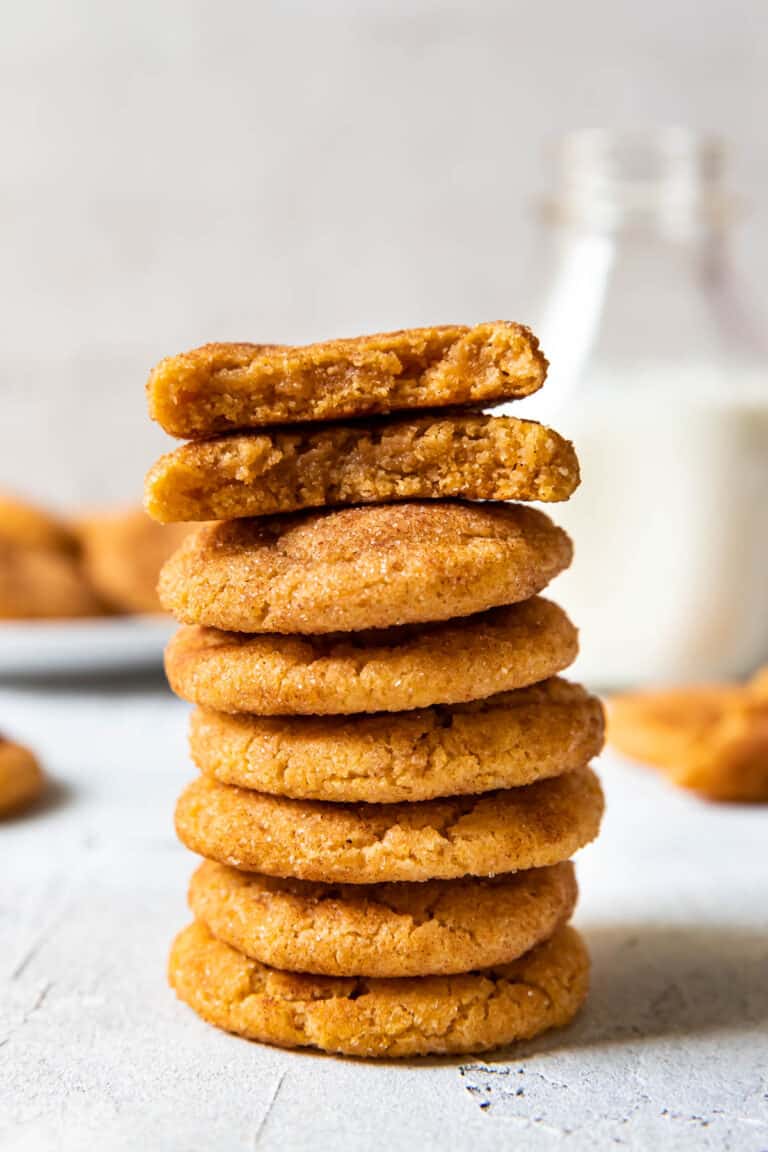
(175, 172)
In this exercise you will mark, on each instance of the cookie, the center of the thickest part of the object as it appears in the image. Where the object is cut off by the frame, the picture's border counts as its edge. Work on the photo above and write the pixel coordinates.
(712, 739)
(505, 741)
(439, 927)
(758, 685)
(388, 671)
(21, 777)
(486, 835)
(37, 583)
(222, 387)
(362, 568)
(27, 526)
(471, 456)
(40, 573)
(381, 1018)
(123, 552)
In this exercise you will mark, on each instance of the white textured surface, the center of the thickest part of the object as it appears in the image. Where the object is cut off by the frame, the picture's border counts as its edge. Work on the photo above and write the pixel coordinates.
(670, 1053)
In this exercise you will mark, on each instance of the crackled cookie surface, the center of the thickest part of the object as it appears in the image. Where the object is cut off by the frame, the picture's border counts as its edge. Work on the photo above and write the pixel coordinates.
(21, 777)
(472, 456)
(221, 387)
(385, 930)
(392, 670)
(360, 568)
(361, 1016)
(532, 827)
(504, 741)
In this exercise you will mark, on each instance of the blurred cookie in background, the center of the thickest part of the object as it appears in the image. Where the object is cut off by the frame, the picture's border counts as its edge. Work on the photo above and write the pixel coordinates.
(40, 572)
(758, 685)
(105, 563)
(122, 553)
(21, 778)
(26, 525)
(40, 583)
(710, 738)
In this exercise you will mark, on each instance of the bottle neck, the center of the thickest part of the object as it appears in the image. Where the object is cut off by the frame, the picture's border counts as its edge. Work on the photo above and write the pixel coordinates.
(667, 185)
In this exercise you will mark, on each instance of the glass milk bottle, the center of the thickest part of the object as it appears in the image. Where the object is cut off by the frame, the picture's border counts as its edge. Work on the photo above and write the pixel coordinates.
(661, 382)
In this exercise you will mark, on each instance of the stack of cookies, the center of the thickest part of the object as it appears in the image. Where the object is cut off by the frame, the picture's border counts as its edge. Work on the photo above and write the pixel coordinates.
(393, 777)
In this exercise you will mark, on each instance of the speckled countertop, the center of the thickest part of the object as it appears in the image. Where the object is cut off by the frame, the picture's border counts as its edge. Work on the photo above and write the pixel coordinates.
(671, 1052)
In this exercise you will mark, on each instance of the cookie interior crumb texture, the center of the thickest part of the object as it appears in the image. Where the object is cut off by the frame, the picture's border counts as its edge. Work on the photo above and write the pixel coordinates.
(221, 387)
(472, 456)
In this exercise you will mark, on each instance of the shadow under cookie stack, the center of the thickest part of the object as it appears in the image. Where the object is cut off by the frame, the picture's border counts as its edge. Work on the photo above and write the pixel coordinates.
(392, 776)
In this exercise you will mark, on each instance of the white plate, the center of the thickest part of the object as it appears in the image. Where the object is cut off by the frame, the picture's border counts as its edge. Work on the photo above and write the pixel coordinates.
(57, 647)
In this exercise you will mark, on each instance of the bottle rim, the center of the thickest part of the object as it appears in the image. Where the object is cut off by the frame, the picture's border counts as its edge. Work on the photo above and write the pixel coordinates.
(670, 175)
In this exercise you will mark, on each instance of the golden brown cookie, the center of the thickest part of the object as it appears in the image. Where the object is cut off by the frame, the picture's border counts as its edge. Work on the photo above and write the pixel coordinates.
(362, 568)
(758, 685)
(221, 387)
(712, 738)
(439, 927)
(505, 741)
(29, 526)
(531, 827)
(123, 552)
(393, 670)
(37, 583)
(40, 572)
(381, 1018)
(475, 457)
(21, 777)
